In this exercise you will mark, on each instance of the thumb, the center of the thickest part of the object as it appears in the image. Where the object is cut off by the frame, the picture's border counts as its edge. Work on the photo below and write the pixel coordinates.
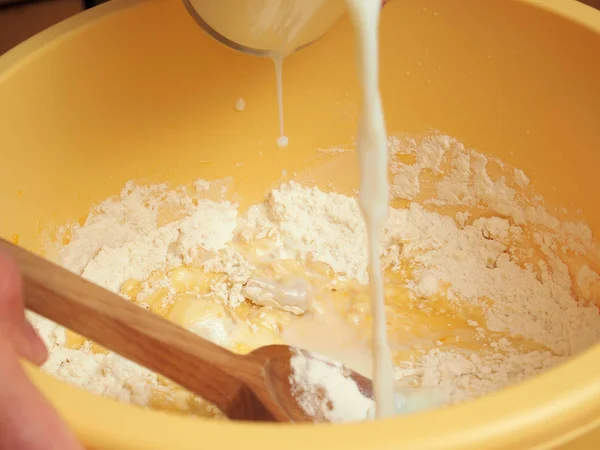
(14, 328)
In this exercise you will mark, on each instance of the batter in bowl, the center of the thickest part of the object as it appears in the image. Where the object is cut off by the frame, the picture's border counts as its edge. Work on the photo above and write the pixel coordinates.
(485, 284)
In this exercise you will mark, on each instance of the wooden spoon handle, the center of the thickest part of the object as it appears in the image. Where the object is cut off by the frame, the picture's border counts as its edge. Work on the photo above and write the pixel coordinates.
(139, 335)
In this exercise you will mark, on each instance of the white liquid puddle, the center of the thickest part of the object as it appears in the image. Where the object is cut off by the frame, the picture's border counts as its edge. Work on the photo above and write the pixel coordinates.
(371, 145)
(343, 343)
(282, 140)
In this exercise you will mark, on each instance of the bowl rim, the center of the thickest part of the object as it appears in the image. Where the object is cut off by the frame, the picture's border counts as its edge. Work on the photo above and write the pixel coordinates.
(524, 413)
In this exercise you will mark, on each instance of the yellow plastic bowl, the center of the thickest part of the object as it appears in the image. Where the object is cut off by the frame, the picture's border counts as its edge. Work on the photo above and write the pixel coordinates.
(136, 90)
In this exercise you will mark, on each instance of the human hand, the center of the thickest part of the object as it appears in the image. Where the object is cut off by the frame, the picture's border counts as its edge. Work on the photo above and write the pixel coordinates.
(27, 420)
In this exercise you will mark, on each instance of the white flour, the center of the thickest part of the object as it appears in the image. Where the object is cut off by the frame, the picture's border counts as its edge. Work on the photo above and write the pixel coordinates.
(312, 225)
(495, 247)
(126, 242)
(109, 375)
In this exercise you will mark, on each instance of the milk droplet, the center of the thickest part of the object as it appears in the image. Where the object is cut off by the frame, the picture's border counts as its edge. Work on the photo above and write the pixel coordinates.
(282, 141)
(240, 104)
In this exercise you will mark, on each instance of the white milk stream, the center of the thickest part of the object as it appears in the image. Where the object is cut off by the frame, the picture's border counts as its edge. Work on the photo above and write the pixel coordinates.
(282, 140)
(371, 144)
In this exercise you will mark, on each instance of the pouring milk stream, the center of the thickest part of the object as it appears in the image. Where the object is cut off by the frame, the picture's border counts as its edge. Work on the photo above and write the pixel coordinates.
(371, 144)
(276, 28)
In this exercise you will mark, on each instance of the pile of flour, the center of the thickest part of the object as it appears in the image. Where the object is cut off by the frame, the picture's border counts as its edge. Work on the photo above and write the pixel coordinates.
(533, 275)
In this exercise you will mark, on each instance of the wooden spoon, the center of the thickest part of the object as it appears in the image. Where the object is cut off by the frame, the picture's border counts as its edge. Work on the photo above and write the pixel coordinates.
(244, 387)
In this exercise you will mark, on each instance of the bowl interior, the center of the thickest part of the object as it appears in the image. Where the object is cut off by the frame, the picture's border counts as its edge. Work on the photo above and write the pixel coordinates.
(135, 90)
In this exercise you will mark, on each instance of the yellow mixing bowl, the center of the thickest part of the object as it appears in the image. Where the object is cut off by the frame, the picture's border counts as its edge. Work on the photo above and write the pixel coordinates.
(134, 89)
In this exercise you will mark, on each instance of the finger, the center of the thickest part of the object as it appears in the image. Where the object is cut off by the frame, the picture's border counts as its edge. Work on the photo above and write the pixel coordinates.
(27, 421)
(13, 325)
(37, 353)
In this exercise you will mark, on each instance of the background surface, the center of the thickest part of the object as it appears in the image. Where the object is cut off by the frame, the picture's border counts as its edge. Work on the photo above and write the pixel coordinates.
(20, 19)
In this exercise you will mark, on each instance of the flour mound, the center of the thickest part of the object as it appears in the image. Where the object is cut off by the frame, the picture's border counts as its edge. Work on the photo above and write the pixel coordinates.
(471, 230)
